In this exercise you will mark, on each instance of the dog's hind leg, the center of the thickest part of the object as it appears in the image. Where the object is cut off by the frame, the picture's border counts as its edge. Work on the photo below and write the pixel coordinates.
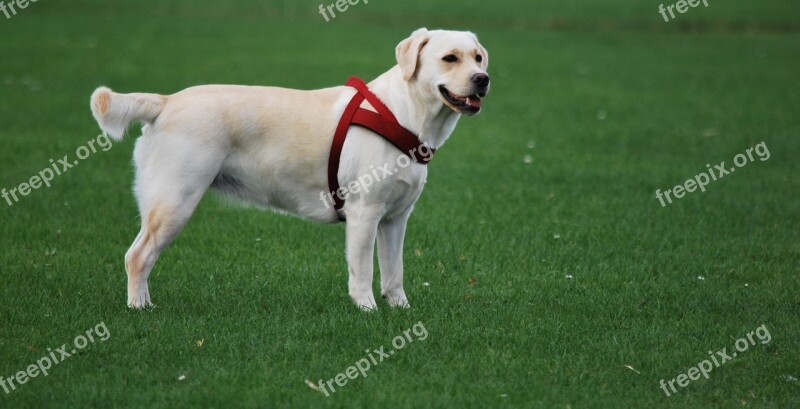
(169, 185)
(160, 225)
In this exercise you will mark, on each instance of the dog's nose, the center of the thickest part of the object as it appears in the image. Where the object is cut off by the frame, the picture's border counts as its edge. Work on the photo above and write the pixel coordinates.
(481, 80)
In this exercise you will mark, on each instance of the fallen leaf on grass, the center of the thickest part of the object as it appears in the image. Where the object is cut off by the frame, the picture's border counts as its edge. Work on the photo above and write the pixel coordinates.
(312, 385)
(632, 369)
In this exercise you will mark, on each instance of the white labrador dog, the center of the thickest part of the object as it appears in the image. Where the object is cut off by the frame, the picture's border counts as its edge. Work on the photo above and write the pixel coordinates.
(269, 146)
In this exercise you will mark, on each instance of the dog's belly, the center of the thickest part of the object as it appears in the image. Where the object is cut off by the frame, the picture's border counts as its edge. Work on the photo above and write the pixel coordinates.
(275, 184)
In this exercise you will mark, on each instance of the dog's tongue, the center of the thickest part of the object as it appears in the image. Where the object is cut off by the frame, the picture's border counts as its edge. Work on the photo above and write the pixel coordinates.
(474, 102)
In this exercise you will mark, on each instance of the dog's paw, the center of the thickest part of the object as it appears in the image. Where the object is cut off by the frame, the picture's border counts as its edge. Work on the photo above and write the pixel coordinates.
(366, 303)
(397, 299)
(139, 299)
(399, 303)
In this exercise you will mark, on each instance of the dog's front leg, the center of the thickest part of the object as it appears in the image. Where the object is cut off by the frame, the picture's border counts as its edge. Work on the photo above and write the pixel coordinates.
(390, 258)
(362, 225)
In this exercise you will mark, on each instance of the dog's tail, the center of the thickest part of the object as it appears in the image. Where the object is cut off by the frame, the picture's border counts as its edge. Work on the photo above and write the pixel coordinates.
(114, 112)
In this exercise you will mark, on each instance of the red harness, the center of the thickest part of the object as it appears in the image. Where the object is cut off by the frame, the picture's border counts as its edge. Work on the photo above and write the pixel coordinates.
(382, 123)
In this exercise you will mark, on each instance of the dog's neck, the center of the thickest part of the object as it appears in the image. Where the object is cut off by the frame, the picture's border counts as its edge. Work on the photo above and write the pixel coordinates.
(430, 119)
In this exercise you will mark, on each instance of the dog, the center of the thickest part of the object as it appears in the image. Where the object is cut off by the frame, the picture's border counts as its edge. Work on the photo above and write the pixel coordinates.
(271, 146)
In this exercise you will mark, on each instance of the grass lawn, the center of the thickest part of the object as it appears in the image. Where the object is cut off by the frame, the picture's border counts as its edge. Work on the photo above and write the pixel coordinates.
(541, 267)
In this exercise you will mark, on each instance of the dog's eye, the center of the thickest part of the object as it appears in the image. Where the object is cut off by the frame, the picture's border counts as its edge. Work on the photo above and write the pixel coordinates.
(450, 58)
(479, 58)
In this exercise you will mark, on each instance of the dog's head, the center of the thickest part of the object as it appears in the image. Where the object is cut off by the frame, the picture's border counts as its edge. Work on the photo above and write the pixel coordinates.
(448, 66)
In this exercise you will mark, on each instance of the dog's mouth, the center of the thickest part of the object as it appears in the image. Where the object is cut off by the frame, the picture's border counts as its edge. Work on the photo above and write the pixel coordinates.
(469, 105)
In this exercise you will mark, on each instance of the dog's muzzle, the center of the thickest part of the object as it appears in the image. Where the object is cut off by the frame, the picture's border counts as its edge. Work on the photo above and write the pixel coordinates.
(470, 104)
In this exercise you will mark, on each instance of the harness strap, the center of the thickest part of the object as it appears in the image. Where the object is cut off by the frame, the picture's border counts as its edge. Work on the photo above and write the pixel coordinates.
(382, 123)
(336, 153)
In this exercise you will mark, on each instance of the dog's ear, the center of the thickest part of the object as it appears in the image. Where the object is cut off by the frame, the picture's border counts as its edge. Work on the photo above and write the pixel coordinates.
(408, 52)
(485, 53)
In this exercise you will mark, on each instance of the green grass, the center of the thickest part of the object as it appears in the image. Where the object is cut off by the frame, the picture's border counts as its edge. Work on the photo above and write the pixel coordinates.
(616, 104)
